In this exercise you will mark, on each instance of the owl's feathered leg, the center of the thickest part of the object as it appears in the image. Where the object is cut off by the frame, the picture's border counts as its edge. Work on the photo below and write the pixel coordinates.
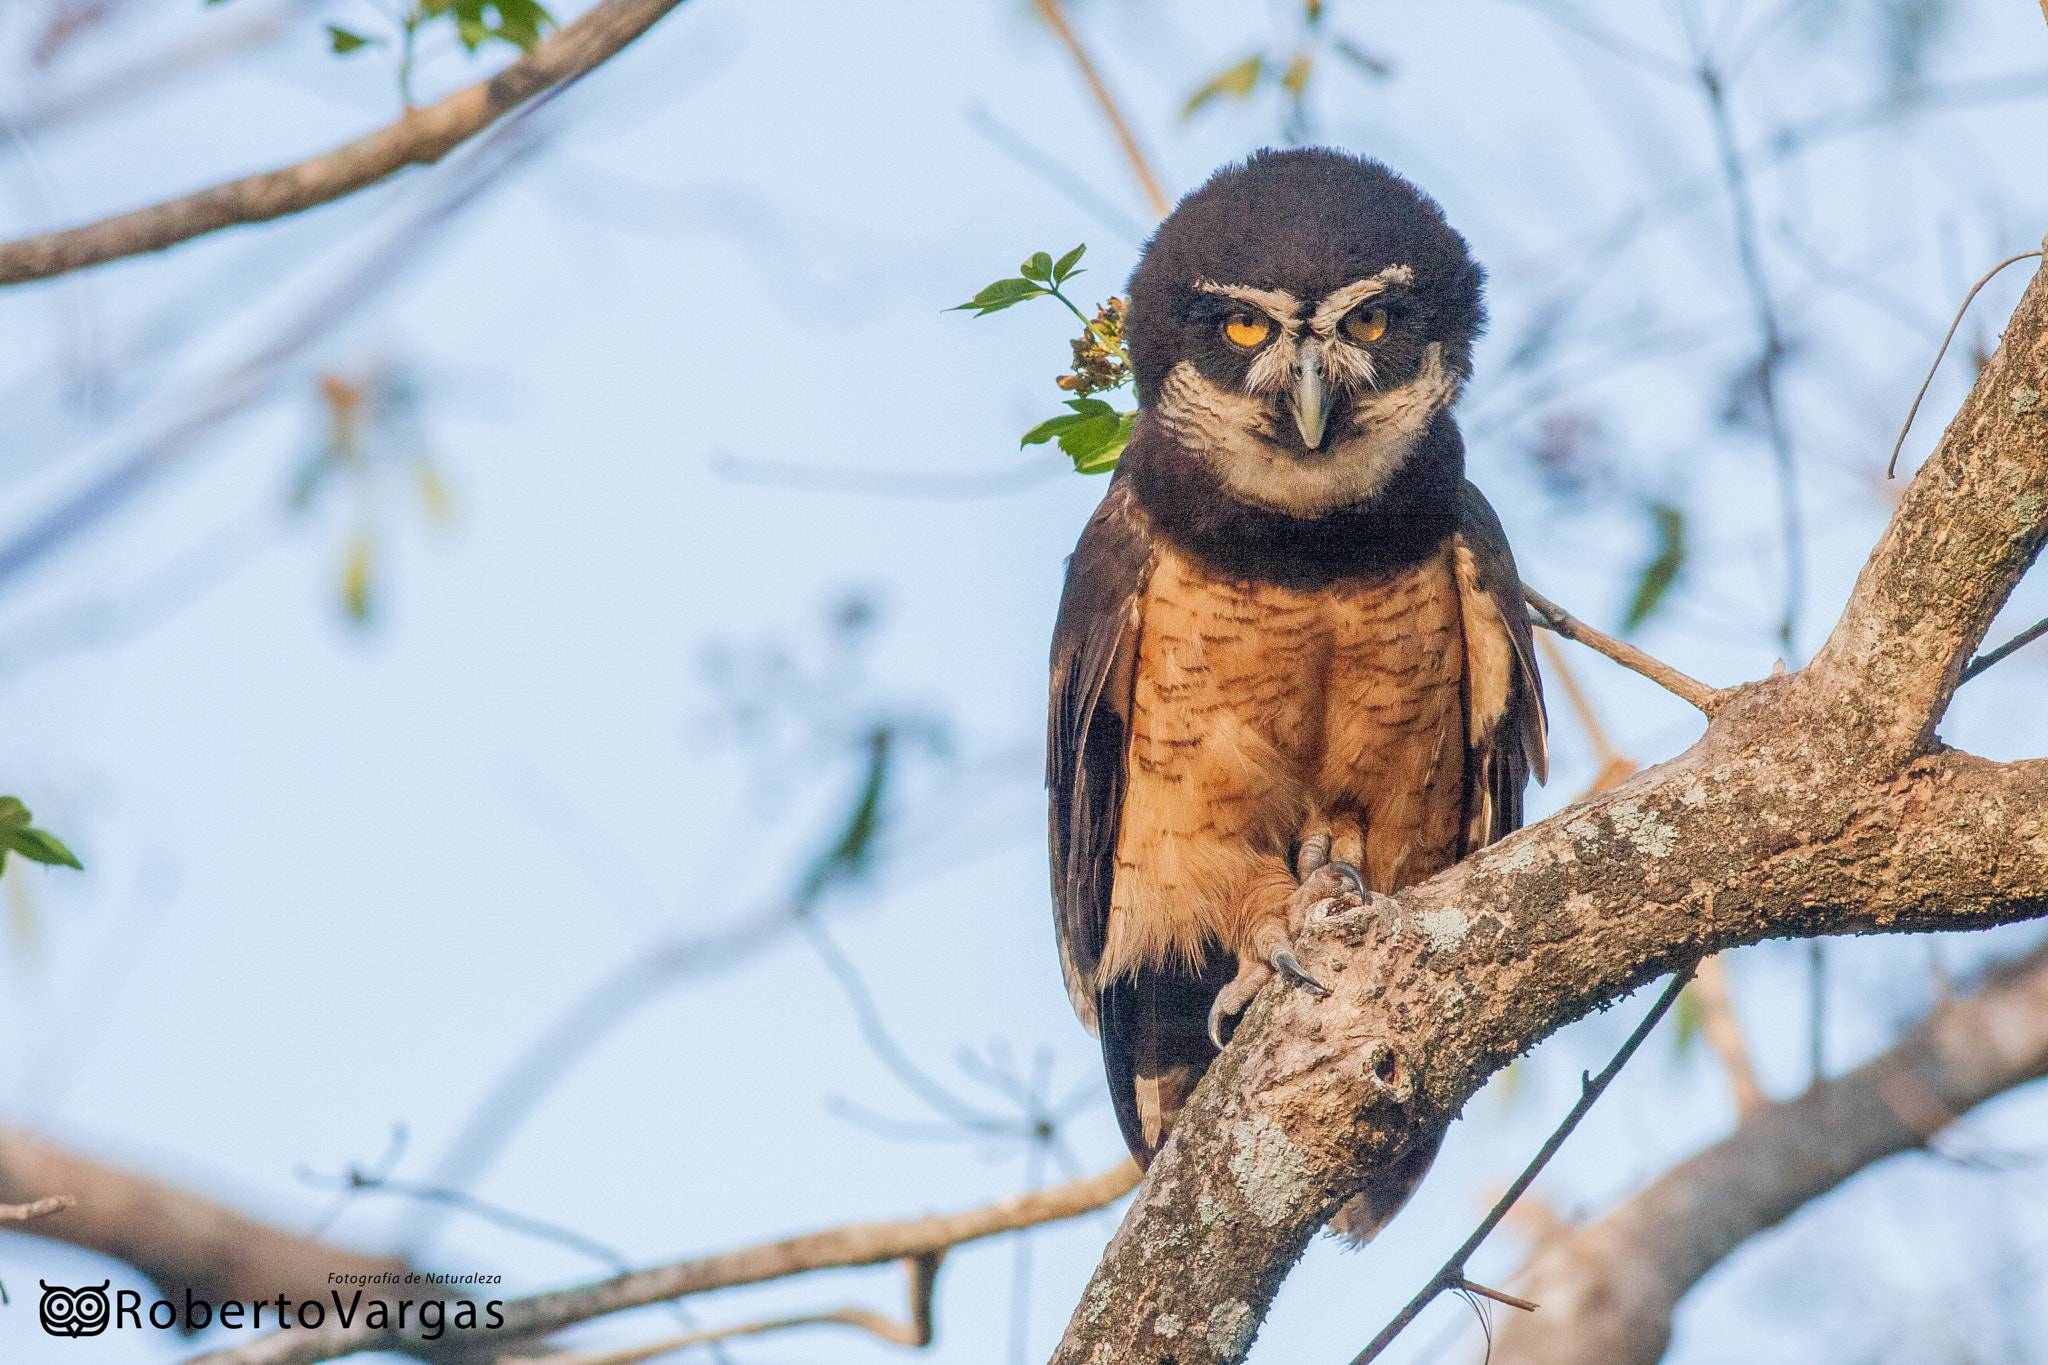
(1276, 908)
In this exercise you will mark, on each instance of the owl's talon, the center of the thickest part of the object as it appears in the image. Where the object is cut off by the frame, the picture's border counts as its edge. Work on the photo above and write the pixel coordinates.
(1285, 963)
(1357, 879)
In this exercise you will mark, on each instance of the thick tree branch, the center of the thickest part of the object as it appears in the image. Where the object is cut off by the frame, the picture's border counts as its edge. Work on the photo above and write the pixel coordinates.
(422, 137)
(1814, 804)
(856, 1245)
(178, 1240)
(1608, 1290)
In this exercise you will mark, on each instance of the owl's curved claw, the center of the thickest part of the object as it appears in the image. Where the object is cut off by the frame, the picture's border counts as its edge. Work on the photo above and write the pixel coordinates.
(1357, 878)
(1285, 963)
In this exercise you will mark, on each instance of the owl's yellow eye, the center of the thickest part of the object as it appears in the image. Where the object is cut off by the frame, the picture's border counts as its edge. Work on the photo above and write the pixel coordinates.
(1247, 332)
(1367, 324)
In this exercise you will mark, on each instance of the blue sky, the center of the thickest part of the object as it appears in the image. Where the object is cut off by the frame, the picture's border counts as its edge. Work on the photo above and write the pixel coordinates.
(339, 878)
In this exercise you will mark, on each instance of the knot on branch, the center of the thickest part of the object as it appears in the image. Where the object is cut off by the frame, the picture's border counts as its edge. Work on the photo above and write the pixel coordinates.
(1387, 1073)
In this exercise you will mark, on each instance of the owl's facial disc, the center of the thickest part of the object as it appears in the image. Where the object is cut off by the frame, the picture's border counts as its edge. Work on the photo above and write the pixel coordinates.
(1305, 404)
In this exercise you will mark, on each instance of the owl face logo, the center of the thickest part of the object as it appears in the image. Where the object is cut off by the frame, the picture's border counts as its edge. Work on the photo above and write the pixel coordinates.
(74, 1312)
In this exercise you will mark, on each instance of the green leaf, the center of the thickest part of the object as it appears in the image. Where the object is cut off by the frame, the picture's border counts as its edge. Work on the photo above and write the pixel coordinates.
(1038, 268)
(1237, 82)
(1000, 295)
(1687, 1018)
(356, 579)
(18, 835)
(1093, 435)
(44, 847)
(1295, 81)
(345, 42)
(1662, 571)
(850, 855)
(518, 22)
(1063, 268)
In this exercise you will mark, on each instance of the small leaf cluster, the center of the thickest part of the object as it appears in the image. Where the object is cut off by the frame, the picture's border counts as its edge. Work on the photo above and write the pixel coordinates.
(1036, 278)
(518, 23)
(374, 436)
(1100, 362)
(18, 834)
(1290, 71)
(1092, 433)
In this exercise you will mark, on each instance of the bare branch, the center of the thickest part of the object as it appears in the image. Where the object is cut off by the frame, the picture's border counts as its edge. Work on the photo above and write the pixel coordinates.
(422, 137)
(1892, 467)
(22, 1213)
(1055, 17)
(1613, 1285)
(178, 1240)
(2017, 642)
(1551, 616)
(856, 1245)
(918, 1332)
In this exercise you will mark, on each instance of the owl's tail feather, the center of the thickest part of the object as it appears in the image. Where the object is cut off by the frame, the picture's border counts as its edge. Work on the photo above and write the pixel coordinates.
(1373, 1207)
(1155, 1045)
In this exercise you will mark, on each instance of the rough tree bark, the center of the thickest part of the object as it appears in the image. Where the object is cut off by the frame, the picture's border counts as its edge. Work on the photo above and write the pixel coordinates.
(1817, 802)
(1608, 1290)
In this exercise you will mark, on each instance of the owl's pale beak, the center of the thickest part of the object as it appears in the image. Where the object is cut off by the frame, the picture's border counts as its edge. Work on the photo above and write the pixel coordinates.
(1311, 403)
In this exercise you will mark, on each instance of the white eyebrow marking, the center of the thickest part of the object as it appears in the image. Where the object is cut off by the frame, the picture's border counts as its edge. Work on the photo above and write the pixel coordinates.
(1280, 305)
(1351, 295)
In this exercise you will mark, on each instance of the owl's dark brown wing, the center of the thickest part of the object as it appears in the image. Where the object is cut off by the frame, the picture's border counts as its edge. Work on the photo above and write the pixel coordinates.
(1094, 649)
(1507, 729)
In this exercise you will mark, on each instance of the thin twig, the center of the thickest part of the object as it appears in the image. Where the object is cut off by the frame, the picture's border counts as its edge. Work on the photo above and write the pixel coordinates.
(22, 1213)
(1056, 19)
(422, 137)
(1551, 616)
(917, 1332)
(1891, 469)
(1735, 175)
(1474, 1287)
(2019, 641)
(1452, 1275)
(859, 1244)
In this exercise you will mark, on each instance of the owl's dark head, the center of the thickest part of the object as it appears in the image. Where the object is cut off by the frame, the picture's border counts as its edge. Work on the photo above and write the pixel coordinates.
(1299, 322)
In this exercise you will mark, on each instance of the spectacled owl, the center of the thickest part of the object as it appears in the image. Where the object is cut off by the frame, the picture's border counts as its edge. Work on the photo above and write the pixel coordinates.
(1291, 658)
